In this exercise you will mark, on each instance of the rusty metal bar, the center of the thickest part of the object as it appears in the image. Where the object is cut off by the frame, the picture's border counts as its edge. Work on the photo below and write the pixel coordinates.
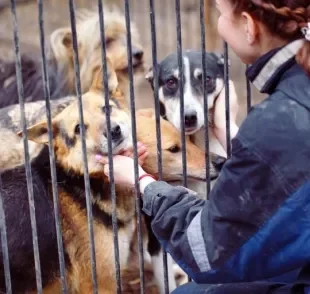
(134, 139)
(227, 104)
(82, 133)
(21, 99)
(205, 94)
(51, 149)
(110, 155)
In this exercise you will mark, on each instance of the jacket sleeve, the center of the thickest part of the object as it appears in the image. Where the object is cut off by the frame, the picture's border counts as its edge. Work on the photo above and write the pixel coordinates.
(246, 231)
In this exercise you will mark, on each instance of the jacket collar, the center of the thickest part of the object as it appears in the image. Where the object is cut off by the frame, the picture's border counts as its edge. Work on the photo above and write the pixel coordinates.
(266, 72)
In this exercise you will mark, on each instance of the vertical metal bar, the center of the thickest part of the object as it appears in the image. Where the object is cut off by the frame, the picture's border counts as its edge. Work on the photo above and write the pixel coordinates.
(51, 149)
(21, 99)
(181, 87)
(205, 94)
(249, 93)
(227, 112)
(110, 155)
(4, 245)
(157, 117)
(134, 139)
(82, 132)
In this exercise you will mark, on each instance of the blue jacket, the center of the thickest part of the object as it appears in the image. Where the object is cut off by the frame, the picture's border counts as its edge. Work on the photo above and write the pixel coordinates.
(256, 223)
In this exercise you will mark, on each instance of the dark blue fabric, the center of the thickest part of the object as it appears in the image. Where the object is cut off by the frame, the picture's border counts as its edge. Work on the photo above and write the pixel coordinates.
(272, 250)
(241, 288)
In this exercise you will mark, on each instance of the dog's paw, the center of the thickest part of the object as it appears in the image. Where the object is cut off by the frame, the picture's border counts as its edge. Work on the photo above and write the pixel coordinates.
(220, 107)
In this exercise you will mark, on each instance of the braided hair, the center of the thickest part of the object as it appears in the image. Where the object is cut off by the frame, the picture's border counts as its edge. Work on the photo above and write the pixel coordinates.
(285, 18)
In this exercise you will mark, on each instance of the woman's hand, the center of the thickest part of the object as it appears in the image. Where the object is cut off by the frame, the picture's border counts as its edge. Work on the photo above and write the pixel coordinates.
(123, 165)
(219, 119)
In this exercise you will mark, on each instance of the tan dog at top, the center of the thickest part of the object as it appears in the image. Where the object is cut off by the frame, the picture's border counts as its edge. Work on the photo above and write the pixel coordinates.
(60, 65)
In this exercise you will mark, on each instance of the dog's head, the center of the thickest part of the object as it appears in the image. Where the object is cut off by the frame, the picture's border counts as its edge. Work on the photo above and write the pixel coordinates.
(66, 130)
(172, 151)
(169, 93)
(89, 42)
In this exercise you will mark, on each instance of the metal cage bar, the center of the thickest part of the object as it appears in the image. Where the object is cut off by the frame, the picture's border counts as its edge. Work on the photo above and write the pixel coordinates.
(227, 104)
(51, 148)
(134, 139)
(248, 93)
(110, 155)
(4, 245)
(82, 132)
(157, 117)
(205, 94)
(181, 88)
(21, 99)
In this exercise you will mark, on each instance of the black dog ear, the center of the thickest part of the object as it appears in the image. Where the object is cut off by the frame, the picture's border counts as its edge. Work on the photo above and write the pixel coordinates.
(150, 76)
(220, 58)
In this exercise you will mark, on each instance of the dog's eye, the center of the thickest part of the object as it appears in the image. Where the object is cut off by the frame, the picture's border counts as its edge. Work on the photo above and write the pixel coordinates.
(174, 149)
(171, 83)
(77, 129)
(107, 108)
(108, 41)
(199, 76)
(208, 79)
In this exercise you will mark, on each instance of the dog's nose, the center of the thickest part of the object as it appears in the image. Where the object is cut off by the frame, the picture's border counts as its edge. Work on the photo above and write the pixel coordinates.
(137, 53)
(218, 162)
(116, 132)
(191, 119)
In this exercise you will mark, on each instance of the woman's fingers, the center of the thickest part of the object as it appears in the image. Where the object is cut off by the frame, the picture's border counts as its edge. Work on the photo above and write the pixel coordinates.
(141, 149)
(143, 157)
(102, 159)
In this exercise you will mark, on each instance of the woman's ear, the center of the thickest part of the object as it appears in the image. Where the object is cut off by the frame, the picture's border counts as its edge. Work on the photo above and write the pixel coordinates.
(250, 28)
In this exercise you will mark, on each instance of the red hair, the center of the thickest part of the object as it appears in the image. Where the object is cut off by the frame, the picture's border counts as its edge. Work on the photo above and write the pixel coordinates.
(284, 18)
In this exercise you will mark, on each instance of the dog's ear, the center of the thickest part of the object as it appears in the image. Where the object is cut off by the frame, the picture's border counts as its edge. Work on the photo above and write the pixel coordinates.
(220, 58)
(150, 76)
(147, 112)
(98, 85)
(61, 42)
(38, 133)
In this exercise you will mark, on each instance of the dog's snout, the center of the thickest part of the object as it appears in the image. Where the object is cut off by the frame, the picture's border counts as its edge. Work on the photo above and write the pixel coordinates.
(116, 132)
(218, 162)
(191, 119)
(137, 53)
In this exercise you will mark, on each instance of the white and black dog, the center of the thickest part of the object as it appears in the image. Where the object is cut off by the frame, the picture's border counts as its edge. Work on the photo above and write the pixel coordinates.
(169, 95)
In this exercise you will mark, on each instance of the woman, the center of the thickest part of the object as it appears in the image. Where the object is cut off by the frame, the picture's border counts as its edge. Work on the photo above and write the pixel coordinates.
(256, 224)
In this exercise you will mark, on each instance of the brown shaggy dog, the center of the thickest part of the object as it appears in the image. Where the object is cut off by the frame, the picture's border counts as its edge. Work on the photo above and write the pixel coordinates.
(61, 64)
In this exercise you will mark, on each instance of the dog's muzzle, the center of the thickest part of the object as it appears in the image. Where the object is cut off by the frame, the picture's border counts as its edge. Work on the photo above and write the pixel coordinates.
(116, 133)
(218, 162)
(190, 121)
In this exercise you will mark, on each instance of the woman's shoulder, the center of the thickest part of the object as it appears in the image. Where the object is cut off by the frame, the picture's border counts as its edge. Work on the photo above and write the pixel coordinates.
(278, 129)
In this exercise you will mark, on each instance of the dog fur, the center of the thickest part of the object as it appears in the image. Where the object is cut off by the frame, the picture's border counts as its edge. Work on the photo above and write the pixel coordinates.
(169, 96)
(10, 116)
(68, 159)
(60, 63)
(72, 202)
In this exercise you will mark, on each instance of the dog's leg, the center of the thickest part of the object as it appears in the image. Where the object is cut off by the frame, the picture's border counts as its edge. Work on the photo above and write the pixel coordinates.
(156, 253)
(158, 268)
